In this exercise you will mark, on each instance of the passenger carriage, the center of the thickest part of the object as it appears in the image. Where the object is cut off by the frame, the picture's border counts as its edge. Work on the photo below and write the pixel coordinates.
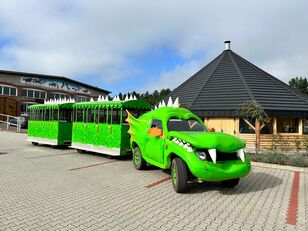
(100, 126)
(51, 123)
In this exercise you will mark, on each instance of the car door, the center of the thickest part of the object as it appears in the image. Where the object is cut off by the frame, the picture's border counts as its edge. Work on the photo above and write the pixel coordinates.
(155, 143)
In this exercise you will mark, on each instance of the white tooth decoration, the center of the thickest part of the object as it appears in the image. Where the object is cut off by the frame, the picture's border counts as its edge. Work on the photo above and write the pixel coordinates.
(159, 105)
(126, 98)
(177, 141)
(91, 100)
(99, 98)
(170, 103)
(176, 102)
(186, 146)
(181, 143)
(131, 97)
(134, 97)
(155, 107)
(212, 153)
(174, 139)
(163, 104)
(189, 149)
(241, 155)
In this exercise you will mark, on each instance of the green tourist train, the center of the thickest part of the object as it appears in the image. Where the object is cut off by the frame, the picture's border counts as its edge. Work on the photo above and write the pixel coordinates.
(97, 126)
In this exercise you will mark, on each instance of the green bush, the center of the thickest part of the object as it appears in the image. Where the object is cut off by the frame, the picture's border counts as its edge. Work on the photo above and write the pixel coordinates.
(295, 159)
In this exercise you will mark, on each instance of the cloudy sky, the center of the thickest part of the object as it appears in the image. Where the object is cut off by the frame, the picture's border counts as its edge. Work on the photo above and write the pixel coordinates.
(145, 45)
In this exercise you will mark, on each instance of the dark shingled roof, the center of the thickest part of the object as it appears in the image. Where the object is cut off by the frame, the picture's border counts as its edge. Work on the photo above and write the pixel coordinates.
(229, 80)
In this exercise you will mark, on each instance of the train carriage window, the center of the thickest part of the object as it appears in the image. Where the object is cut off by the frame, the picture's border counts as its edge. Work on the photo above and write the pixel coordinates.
(96, 119)
(55, 115)
(124, 117)
(116, 113)
(79, 115)
(90, 115)
(102, 115)
(65, 115)
(47, 111)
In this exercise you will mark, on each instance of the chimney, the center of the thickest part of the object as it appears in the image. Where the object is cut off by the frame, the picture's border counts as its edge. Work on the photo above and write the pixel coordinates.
(227, 45)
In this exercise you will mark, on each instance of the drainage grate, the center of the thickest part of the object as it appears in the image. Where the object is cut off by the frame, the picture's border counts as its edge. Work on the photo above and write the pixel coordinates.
(3, 153)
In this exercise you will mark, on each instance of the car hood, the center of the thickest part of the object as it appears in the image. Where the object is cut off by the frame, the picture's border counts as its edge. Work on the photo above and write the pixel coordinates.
(209, 140)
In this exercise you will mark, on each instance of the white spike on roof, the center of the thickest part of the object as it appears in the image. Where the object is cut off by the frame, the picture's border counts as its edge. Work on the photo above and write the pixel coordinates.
(176, 102)
(170, 103)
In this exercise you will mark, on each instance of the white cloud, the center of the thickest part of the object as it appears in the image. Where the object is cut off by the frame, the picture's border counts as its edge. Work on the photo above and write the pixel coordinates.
(74, 38)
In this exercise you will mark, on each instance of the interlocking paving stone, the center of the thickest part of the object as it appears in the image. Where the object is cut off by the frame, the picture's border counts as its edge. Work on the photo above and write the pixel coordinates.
(43, 194)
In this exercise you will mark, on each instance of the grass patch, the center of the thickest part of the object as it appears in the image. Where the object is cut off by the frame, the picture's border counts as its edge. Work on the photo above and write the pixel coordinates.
(294, 159)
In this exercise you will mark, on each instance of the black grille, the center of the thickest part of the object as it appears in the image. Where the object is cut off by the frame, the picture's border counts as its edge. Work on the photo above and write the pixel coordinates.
(220, 156)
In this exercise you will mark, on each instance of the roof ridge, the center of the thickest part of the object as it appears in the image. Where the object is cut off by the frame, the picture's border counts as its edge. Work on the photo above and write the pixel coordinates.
(210, 75)
(242, 78)
(269, 76)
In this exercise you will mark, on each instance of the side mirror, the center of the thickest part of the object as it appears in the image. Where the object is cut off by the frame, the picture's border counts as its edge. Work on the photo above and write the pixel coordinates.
(155, 132)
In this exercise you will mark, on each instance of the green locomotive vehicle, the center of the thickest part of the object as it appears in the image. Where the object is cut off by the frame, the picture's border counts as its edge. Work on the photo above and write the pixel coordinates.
(51, 123)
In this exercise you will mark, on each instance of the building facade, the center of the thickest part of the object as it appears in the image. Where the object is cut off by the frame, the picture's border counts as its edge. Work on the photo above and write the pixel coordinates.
(18, 90)
(216, 92)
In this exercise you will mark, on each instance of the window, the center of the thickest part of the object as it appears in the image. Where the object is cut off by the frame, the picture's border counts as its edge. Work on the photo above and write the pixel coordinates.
(24, 107)
(156, 124)
(24, 93)
(7, 90)
(115, 116)
(90, 115)
(287, 125)
(79, 116)
(47, 114)
(81, 99)
(30, 93)
(58, 96)
(55, 115)
(102, 115)
(124, 117)
(65, 115)
(305, 126)
(185, 125)
(245, 128)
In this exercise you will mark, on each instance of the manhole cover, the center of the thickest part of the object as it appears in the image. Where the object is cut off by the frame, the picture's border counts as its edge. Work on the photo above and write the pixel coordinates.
(3, 153)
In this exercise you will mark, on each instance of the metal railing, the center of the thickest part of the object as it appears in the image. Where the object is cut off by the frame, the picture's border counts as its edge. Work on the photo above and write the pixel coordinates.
(13, 121)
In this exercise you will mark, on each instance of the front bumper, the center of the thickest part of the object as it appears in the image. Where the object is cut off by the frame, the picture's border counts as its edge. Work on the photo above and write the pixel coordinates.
(224, 170)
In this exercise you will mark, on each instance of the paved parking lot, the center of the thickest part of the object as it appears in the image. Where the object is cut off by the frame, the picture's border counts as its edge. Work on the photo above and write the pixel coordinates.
(43, 188)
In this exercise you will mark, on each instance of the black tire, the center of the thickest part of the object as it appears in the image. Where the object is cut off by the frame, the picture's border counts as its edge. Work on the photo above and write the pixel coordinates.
(80, 151)
(35, 143)
(230, 183)
(138, 161)
(179, 174)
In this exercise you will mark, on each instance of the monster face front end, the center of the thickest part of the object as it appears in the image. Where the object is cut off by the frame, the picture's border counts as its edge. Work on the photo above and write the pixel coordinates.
(212, 156)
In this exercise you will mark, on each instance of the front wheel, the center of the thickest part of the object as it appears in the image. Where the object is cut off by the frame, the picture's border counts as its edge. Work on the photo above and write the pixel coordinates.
(179, 174)
(139, 162)
(230, 183)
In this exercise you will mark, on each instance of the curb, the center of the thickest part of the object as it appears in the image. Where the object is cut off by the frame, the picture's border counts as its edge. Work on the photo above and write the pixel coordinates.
(277, 166)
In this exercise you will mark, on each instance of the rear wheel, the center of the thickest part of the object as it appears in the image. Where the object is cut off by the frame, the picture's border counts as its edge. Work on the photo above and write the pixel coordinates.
(35, 143)
(230, 183)
(139, 162)
(179, 174)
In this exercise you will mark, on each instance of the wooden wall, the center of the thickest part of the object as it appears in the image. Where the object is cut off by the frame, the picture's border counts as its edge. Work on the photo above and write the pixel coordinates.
(281, 141)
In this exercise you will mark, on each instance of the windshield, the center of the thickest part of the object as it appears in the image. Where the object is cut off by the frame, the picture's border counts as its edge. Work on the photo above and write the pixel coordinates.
(185, 125)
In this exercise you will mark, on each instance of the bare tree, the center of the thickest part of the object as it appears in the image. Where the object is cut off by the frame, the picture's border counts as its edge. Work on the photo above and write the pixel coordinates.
(251, 109)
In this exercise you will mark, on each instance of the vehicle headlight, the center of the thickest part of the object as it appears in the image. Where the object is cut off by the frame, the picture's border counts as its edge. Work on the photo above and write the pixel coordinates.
(201, 155)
